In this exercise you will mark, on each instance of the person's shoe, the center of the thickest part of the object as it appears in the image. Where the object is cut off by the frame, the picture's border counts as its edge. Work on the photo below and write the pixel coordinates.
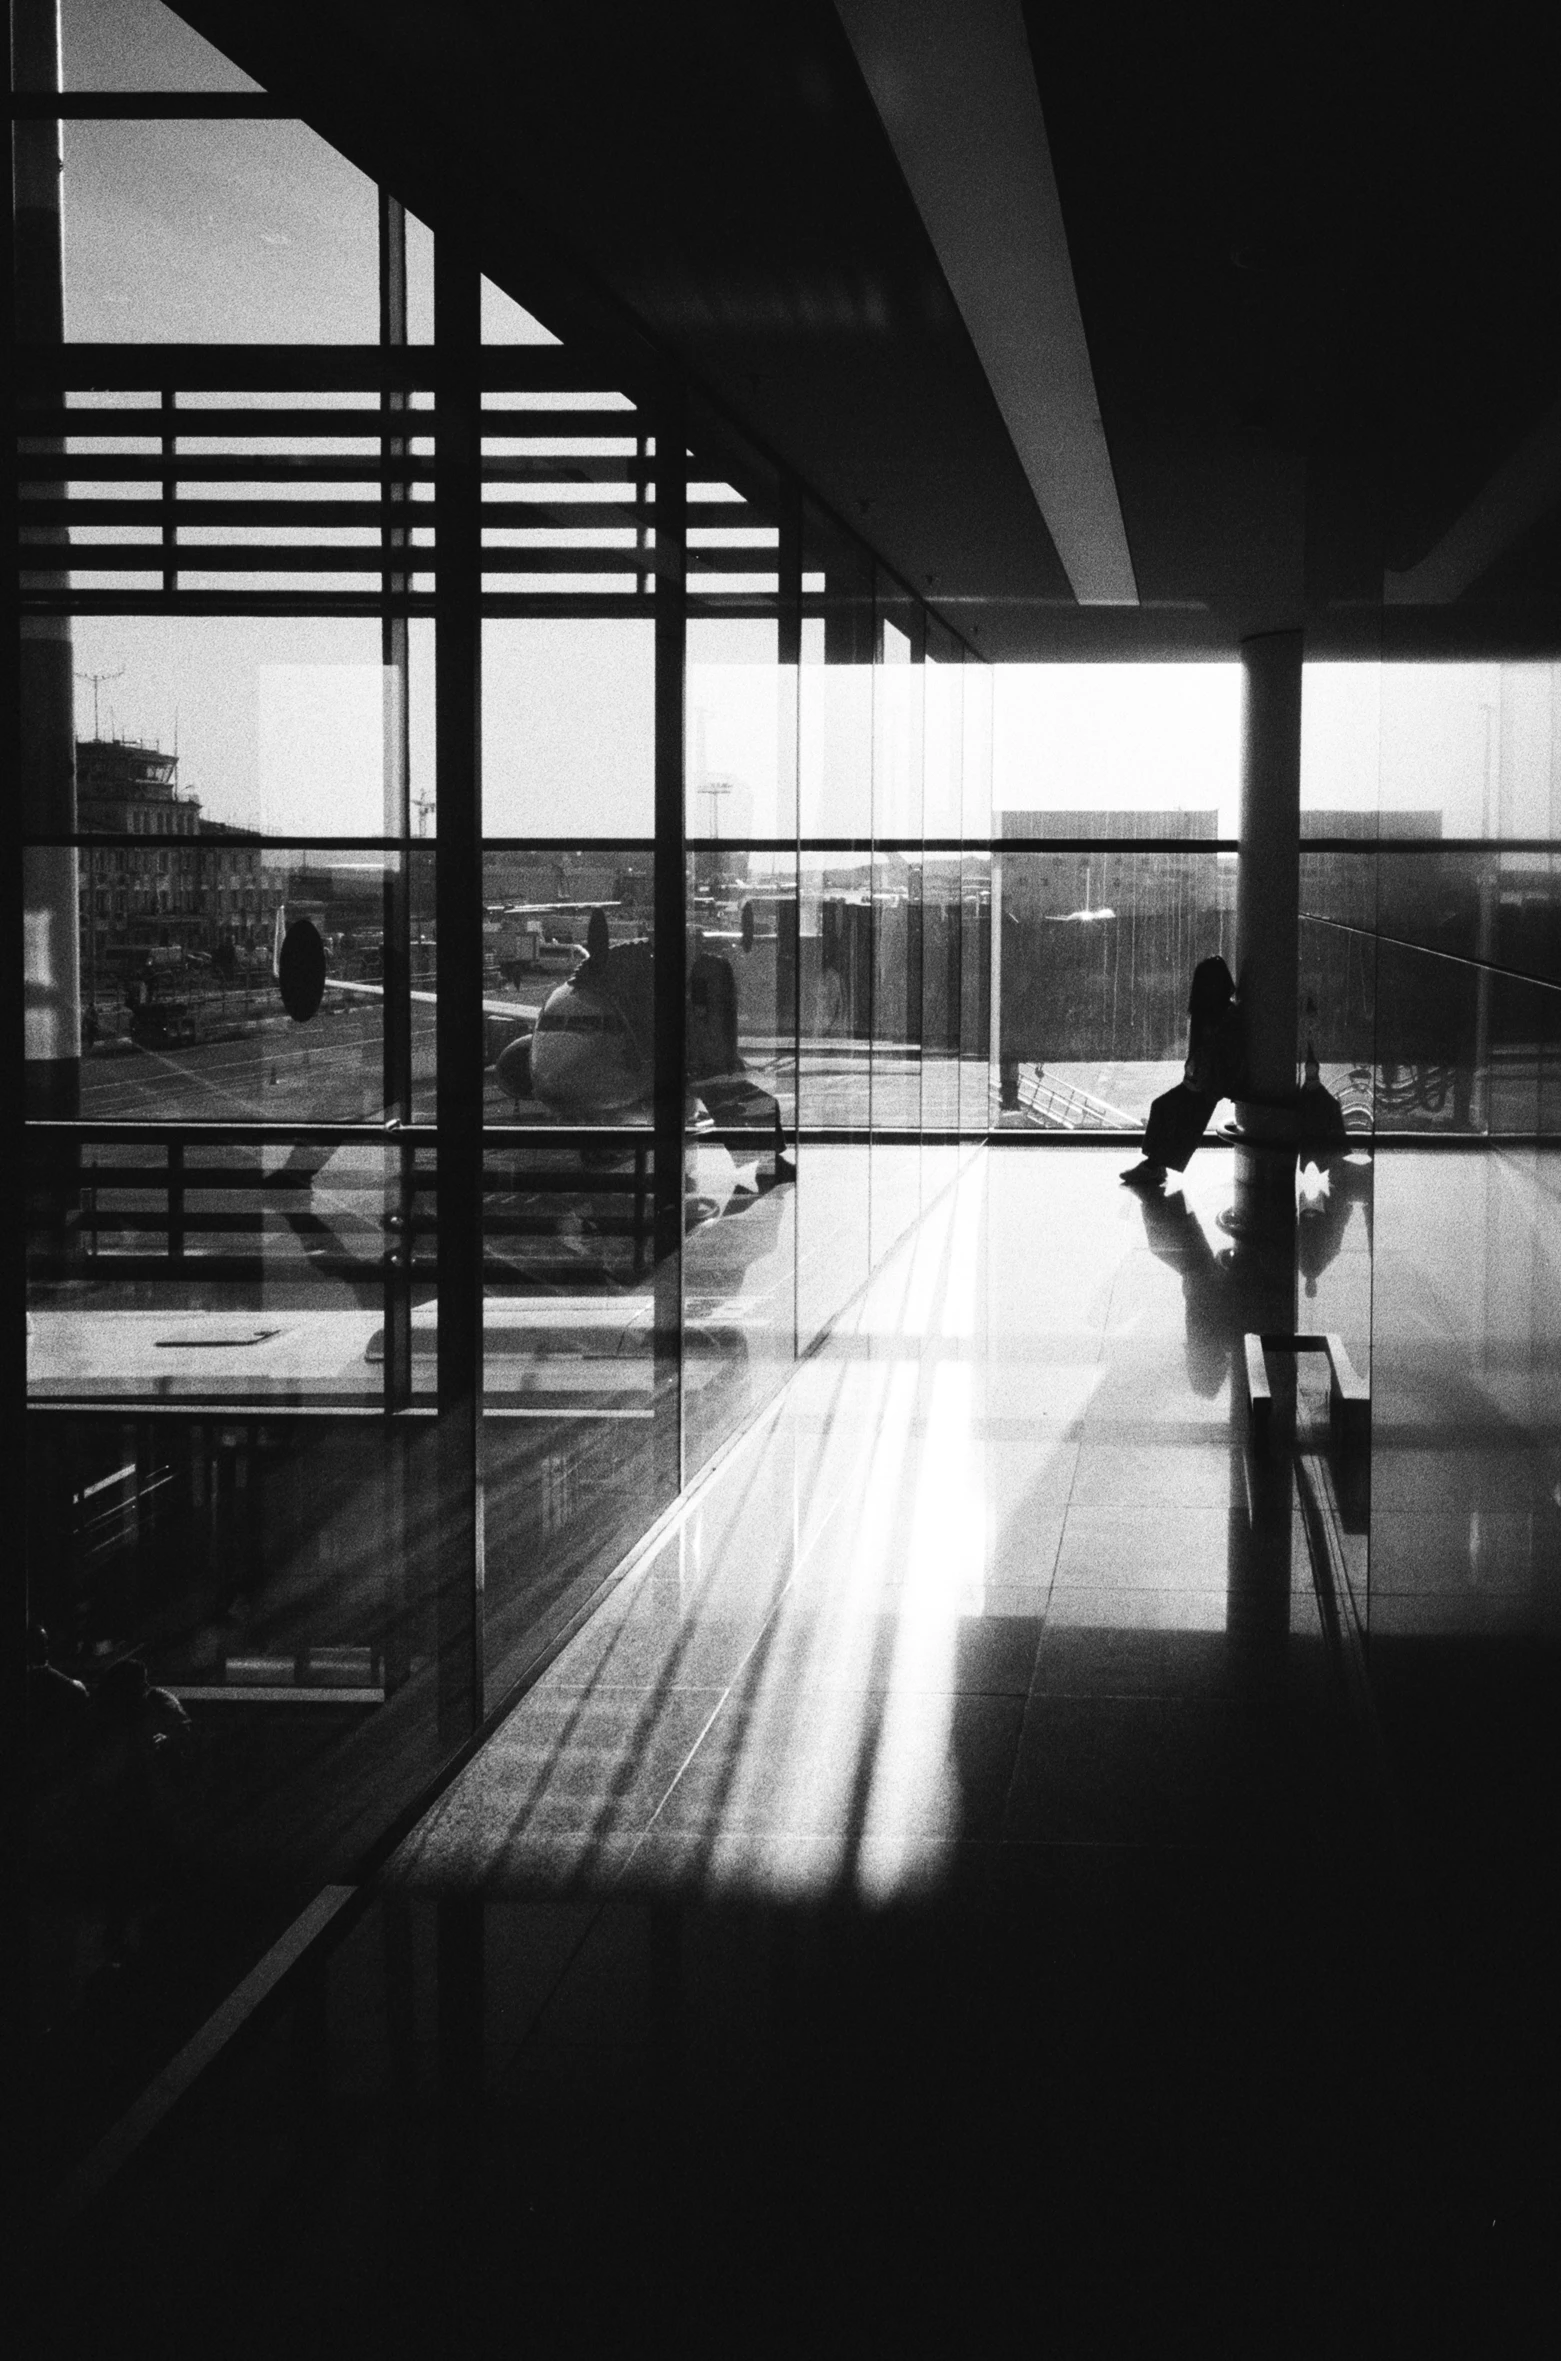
(1144, 1175)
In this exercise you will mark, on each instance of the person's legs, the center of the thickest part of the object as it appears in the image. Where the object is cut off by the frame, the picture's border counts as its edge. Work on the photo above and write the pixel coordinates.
(1176, 1121)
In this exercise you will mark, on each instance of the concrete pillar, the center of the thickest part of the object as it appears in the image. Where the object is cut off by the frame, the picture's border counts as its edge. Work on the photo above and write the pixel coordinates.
(1268, 880)
(1268, 873)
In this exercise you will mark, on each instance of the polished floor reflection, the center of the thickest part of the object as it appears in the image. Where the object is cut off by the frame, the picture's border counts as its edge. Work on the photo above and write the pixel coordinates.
(985, 1577)
(935, 1897)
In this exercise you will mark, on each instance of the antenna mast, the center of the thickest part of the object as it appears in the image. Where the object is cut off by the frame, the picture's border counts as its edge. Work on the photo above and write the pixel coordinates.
(97, 679)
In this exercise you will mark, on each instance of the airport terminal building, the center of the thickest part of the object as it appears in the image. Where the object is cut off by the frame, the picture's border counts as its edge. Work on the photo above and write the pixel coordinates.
(672, 1672)
(150, 906)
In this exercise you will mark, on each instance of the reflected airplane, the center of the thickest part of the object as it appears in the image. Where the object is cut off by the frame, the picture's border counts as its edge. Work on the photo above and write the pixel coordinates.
(586, 1053)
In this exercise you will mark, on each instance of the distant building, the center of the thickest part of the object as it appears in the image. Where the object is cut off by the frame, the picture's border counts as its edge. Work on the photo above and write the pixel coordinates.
(1103, 916)
(183, 884)
(1371, 827)
(1193, 827)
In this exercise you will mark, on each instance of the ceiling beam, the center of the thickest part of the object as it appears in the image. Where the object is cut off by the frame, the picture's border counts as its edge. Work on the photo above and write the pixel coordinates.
(956, 92)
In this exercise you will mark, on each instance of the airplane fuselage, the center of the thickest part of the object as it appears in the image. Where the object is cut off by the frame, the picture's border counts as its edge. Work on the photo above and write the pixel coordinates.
(584, 1059)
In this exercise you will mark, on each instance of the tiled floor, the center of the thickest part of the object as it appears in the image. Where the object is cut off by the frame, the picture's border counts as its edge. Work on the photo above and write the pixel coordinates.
(900, 1619)
(923, 1906)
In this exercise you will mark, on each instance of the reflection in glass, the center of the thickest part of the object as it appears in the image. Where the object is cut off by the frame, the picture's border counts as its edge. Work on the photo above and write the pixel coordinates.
(741, 730)
(183, 1016)
(834, 1083)
(741, 1166)
(1096, 952)
(898, 797)
(976, 1078)
(269, 723)
(739, 1258)
(252, 1477)
(230, 1269)
(1475, 902)
(835, 684)
(567, 983)
(942, 987)
(1337, 989)
(249, 1600)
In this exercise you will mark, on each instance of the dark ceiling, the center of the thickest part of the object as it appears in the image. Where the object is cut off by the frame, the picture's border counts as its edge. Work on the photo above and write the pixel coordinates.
(1318, 256)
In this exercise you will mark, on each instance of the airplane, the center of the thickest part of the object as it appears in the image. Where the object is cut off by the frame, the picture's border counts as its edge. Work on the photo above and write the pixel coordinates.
(585, 1053)
(586, 1059)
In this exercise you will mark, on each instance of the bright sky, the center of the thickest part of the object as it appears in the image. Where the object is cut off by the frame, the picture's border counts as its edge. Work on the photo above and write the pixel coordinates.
(1479, 743)
(280, 725)
(1118, 737)
(260, 231)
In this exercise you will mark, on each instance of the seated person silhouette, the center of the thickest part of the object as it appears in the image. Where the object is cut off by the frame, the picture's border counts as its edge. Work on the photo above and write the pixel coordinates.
(1215, 1070)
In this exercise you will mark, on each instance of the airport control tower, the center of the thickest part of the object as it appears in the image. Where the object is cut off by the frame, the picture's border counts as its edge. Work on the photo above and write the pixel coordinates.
(174, 886)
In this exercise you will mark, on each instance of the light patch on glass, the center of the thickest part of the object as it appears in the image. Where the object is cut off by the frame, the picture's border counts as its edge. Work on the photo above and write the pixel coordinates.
(51, 1014)
(736, 690)
(321, 748)
(38, 950)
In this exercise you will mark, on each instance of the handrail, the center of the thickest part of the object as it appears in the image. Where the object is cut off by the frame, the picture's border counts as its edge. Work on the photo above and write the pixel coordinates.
(1488, 967)
(624, 1138)
(157, 1132)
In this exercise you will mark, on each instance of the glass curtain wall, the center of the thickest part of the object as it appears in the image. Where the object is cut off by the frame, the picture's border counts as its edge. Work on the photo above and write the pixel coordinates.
(1431, 991)
(487, 993)
(835, 1007)
(1113, 872)
(740, 1059)
(899, 786)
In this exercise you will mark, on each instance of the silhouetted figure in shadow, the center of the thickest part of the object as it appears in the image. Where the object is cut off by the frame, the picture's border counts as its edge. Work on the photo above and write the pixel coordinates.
(1320, 1129)
(1215, 1070)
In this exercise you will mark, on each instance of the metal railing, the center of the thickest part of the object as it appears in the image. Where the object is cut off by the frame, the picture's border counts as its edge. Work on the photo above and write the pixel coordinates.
(92, 1204)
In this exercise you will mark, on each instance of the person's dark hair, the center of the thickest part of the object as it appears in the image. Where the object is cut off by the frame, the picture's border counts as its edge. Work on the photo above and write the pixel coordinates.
(1213, 990)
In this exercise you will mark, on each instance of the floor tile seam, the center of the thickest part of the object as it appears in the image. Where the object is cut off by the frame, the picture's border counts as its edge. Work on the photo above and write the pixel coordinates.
(774, 1417)
(756, 1643)
(643, 1557)
(1157, 1493)
(770, 1418)
(1147, 1694)
(533, 2035)
(1248, 1701)
(1199, 1848)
